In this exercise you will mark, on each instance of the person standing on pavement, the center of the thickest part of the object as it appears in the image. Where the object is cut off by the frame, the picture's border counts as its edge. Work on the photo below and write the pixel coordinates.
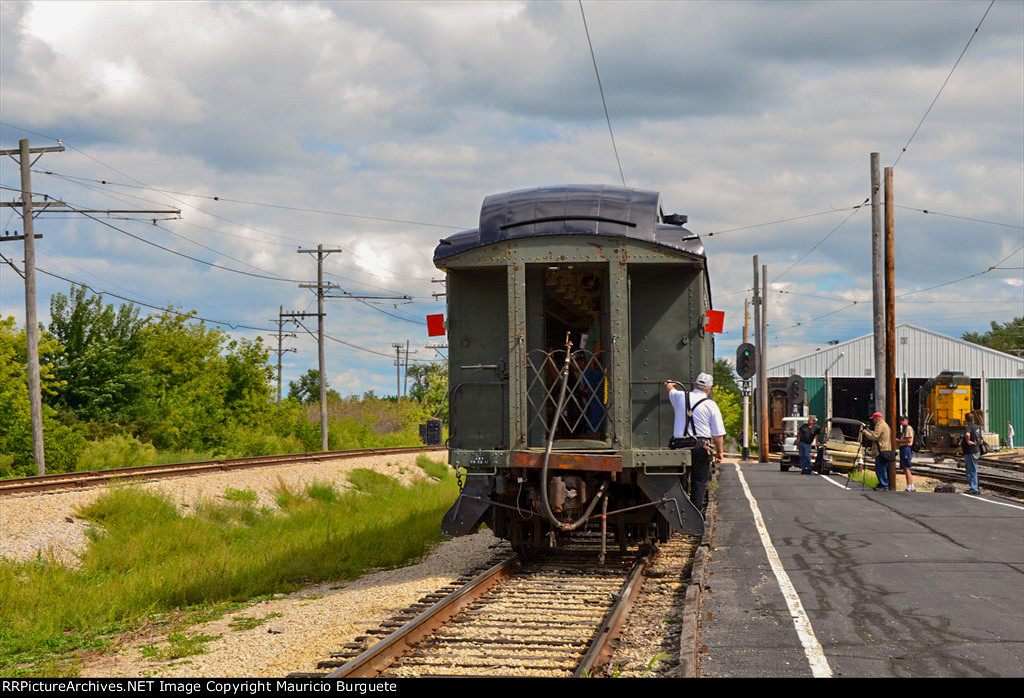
(1009, 433)
(906, 441)
(806, 440)
(881, 446)
(698, 424)
(971, 444)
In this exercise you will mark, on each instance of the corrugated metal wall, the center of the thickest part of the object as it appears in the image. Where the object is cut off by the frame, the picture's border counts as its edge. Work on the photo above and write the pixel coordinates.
(920, 353)
(1006, 403)
(815, 388)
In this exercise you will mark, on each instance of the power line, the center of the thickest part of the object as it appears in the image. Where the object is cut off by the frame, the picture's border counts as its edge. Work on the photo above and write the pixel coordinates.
(781, 220)
(804, 255)
(601, 89)
(164, 309)
(963, 278)
(80, 182)
(928, 111)
(963, 218)
(214, 197)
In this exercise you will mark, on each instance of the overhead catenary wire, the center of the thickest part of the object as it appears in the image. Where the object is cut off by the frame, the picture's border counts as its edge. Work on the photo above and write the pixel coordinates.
(818, 244)
(944, 82)
(963, 218)
(600, 88)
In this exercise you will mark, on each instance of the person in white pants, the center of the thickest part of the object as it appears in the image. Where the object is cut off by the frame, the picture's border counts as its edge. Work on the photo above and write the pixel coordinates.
(1009, 433)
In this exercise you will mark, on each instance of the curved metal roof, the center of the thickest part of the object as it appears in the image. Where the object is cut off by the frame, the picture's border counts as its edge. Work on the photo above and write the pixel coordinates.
(571, 209)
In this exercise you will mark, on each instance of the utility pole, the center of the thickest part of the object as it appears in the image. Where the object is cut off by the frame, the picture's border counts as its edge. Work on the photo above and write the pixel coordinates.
(439, 294)
(758, 340)
(405, 383)
(280, 350)
(745, 454)
(437, 349)
(878, 284)
(890, 319)
(763, 374)
(23, 156)
(398, 370)
(321, 289)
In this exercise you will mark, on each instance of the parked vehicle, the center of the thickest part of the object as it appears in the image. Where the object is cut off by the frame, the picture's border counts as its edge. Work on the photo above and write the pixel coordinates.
(844, 443)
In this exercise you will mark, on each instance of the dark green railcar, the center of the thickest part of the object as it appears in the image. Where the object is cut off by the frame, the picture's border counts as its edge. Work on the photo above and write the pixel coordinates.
(601, 270)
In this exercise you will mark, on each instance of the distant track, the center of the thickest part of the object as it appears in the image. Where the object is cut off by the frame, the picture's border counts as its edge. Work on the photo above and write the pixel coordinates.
(91, 478)
(999, 474)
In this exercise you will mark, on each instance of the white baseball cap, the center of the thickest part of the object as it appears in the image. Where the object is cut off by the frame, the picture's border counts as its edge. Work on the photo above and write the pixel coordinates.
(704, 380)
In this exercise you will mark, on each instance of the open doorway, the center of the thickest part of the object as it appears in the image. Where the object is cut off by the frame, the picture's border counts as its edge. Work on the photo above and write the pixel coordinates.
(572, 303)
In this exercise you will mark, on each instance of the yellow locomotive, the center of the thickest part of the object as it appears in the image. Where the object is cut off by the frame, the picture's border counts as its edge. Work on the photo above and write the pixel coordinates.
(946, 400)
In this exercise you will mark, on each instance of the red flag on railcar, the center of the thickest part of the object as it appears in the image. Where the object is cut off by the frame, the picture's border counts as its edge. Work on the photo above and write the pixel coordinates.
(435, 325)
(716, 319)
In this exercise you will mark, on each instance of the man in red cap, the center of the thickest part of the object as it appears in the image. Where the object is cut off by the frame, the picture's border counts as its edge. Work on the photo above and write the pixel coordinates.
(881, 447)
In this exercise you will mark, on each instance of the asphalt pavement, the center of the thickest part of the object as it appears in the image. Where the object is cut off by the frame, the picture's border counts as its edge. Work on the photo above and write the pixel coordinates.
(891, 583)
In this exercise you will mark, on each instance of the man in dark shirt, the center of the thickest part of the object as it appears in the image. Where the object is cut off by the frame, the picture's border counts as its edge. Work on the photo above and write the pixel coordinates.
(806, 438)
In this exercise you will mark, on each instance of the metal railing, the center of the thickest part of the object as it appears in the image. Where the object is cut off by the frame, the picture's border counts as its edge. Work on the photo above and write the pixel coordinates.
(588, 405)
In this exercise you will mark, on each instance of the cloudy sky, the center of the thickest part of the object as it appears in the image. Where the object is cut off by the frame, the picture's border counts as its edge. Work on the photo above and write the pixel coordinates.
(311, 121)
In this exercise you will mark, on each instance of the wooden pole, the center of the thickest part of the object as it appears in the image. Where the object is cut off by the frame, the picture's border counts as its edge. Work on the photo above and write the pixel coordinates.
(763, 373)
(745, 454)
(757, 352)
(35, 393)
(878, 285)
(890, 319)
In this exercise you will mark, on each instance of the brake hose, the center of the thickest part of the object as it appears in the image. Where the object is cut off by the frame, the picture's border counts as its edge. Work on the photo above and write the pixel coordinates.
(547, 455)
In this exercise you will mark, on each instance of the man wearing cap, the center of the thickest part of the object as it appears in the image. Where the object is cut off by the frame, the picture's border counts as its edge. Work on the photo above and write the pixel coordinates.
(699, 419)
(881, 446)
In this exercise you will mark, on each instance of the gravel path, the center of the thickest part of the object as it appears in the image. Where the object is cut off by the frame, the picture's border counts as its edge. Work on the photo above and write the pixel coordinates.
(313, 623)
(40, 524)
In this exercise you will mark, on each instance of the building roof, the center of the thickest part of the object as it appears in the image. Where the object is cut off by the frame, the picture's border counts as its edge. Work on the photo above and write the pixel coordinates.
(920, 353)
(572, 209)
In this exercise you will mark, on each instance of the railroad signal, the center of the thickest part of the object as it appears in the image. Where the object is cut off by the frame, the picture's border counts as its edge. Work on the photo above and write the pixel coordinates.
(746, 361)
(795, 391)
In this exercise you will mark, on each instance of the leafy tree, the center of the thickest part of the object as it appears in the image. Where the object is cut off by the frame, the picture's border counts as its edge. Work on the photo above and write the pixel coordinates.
(728, 396)
(1006, 337)
(430, 388)
(101, 380)
(197, 383)
(307, 388)
(61, 444)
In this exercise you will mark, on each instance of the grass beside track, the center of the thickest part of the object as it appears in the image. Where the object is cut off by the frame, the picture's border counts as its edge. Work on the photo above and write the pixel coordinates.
(147, 559)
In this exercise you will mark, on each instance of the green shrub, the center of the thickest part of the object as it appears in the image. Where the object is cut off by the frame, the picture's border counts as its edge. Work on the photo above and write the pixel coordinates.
(146, 557)
(119, 451)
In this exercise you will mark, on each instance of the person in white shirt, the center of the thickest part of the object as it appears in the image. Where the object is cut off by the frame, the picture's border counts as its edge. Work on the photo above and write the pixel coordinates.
(698, 425)
(1009, 433)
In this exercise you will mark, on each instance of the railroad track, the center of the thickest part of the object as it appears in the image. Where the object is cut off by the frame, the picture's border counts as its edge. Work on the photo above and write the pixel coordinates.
(993, 474)
(554, 616)
(91, 478)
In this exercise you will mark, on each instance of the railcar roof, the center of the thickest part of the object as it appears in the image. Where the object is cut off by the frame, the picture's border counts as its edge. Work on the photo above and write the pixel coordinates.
(572, 209)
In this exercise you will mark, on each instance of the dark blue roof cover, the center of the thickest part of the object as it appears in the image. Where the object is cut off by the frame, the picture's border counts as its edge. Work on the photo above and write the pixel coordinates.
(572, 209)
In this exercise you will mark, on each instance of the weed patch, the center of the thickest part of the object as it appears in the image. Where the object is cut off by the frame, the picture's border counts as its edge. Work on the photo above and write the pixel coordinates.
(147, 559)
(240, 623)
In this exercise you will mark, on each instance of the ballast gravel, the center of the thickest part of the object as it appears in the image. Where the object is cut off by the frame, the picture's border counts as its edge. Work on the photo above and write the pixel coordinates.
(37, 525)
(313, 622)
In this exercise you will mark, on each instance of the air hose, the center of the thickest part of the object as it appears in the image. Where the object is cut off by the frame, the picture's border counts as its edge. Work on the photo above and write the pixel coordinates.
(547, 456)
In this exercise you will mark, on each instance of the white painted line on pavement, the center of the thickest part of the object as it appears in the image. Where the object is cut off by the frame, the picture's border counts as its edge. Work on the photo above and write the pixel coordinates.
(840, 486)
(812, 648)
(989, 501)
